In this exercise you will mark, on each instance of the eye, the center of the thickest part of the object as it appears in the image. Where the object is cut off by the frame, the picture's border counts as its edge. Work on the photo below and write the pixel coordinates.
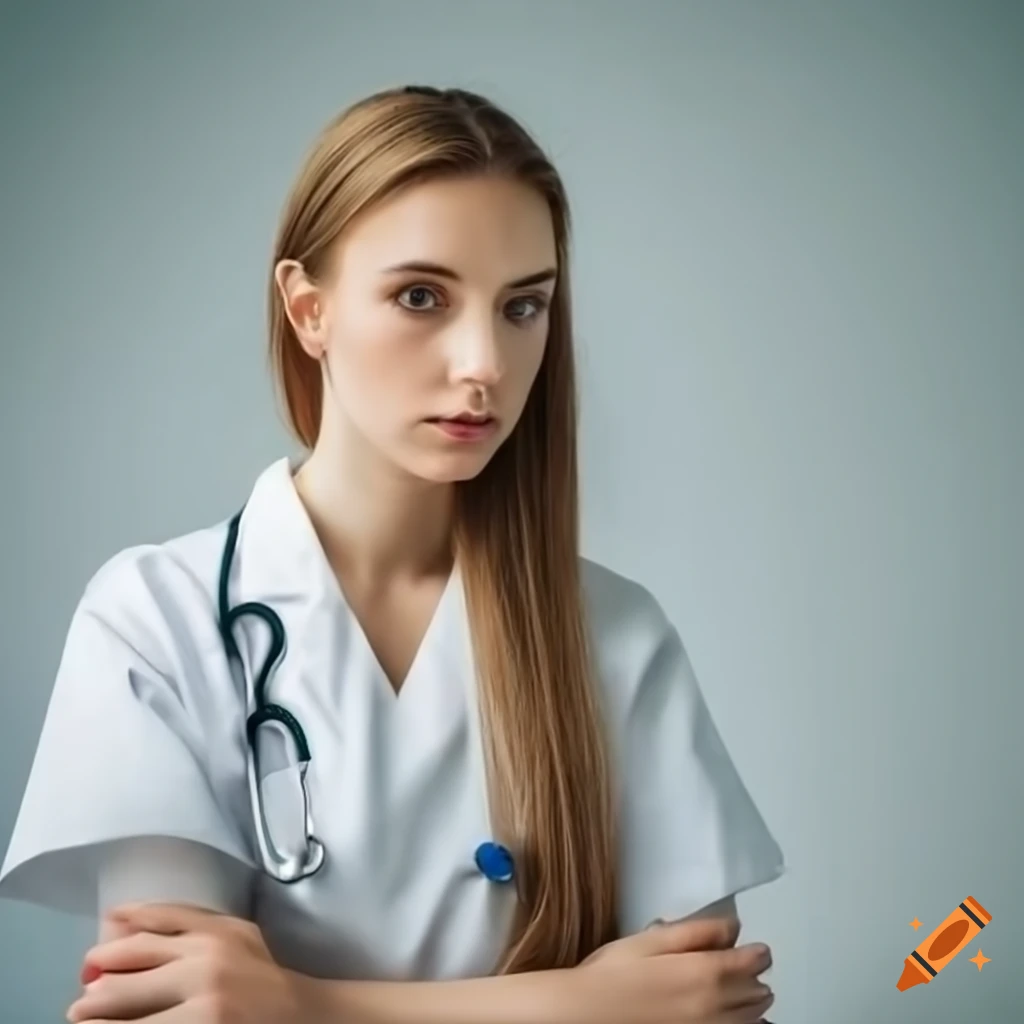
(535, 305)
(421, 298)
(418, 296)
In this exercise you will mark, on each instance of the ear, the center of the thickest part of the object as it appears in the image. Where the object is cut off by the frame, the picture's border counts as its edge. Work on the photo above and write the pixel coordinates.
(303, 305)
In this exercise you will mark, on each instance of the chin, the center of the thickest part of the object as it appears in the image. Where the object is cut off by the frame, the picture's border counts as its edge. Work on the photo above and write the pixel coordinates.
(449, 467)
(451, 470)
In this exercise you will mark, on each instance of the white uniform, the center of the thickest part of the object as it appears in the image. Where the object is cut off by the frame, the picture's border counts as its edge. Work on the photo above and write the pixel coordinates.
(145, 737)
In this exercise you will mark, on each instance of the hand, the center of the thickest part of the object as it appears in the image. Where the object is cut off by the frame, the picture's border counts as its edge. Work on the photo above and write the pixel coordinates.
(682, 973)
(173, 963)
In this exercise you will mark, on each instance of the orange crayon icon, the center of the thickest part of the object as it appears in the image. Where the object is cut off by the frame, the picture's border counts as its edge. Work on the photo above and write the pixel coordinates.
(943, 944)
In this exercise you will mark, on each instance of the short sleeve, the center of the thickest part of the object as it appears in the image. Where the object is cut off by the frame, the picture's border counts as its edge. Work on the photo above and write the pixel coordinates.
(691, 833)
(153, 869)
(133, 744)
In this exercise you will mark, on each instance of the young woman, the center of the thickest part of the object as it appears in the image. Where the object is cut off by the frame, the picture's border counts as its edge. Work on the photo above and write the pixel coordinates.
(383, 746)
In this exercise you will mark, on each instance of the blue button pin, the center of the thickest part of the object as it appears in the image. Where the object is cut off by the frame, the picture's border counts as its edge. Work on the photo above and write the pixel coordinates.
(495, 862)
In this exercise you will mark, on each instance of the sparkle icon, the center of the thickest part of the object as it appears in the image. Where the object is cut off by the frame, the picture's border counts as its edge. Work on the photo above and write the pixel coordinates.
(981, 959)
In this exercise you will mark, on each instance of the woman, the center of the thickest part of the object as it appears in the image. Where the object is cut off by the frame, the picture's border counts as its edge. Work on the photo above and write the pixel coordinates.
(511, 772)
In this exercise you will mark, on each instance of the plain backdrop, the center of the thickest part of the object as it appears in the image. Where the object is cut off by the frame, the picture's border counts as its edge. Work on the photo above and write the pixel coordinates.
(799, 283)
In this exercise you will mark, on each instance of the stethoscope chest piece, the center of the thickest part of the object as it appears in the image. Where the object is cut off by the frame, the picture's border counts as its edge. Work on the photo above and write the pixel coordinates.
(494, 862)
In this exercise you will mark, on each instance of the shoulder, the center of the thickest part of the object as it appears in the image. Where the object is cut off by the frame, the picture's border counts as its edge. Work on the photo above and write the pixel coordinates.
(630, 632)
(620, 604)
(144, 593)
(145, 633)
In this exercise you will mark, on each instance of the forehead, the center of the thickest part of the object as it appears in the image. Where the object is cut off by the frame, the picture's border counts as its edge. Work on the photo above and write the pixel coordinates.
(489, 230)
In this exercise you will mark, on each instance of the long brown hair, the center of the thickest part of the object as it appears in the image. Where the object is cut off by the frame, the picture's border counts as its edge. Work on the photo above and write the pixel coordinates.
(516, 531)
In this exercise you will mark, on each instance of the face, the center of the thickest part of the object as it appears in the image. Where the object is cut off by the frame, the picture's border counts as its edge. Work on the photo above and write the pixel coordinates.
(438, 305)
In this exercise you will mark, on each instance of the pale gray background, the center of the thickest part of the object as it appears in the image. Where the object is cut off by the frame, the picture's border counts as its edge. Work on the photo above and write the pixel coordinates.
(799, 270)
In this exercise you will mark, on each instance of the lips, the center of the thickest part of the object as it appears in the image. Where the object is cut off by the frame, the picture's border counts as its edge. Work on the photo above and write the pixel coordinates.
(463, 429)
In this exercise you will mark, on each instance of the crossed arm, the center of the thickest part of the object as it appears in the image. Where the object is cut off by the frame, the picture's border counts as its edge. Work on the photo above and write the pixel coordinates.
(173, 871)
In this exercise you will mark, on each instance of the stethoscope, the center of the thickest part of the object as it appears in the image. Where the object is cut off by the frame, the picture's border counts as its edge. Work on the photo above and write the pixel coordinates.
(493, 860)
(284, 867)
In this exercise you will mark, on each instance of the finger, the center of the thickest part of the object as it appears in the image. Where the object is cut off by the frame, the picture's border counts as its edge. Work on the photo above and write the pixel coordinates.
(747, 961)
(692, 935)
(753, 1014)
(165, 918)
(130, 996)
(731, 974)
(141, 951)
(726, 967)
(746, 996)
(184, 1013)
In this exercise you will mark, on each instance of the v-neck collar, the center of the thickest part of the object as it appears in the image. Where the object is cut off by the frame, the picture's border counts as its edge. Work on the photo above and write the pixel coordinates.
(427, 642)
(283, 562)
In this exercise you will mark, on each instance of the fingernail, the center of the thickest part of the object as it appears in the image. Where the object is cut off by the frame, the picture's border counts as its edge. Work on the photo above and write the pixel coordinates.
(90, 972)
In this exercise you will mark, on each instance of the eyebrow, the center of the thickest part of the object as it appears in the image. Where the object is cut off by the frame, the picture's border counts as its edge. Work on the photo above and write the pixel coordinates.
(422, 267)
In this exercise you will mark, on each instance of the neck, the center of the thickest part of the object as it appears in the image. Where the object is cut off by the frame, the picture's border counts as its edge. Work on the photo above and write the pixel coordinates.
(378, 524)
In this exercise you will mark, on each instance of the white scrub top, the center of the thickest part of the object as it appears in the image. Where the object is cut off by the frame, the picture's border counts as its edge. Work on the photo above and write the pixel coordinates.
(144, 736)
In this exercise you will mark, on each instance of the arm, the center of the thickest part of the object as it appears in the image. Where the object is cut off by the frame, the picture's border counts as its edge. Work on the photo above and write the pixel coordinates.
(171, 870)
(540, 997)
(534, 998)
(161, 870)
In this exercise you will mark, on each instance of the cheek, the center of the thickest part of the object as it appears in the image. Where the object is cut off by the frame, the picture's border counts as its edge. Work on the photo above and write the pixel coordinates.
(524, 362)
(376, 371)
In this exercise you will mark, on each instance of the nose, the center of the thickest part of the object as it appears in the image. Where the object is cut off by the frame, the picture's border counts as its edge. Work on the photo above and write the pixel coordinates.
(476, 355)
